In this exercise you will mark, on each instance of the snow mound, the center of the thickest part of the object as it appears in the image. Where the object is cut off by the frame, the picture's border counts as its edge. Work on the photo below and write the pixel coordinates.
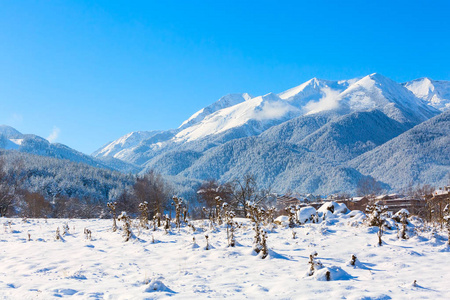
(331, 273)
(306, 214)
(156, 285)
(333, 207)
(282, 220)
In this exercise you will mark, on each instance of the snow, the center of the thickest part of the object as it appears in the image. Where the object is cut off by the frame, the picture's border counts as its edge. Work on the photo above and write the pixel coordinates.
(176, 267)
(224, 102)
(305, 214)
(262, 108)
(436, 93)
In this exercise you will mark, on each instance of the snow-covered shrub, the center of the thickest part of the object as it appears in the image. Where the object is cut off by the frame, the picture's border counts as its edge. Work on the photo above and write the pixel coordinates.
(270, 215)
(126, 226)
(330, 209)
(166, 223)
(306, 214)
(207, 242)
(256, 214)
(314, 264)
(156, 221)
(112, 206)
(292, 215)
(376, 216)
(178, 203)
(264, 250)
(229, 219)
(143, 208)
(156, 285)
(353, 260)
(402, 217)
(57, 234)
(65, 229)
(87, 234)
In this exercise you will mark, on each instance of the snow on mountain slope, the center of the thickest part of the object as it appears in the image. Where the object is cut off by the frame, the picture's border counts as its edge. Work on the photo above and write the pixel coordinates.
(224, 102)
(418, 156)
(11, 139)
(129, 140)
(348, 136)
(262, 109)
(370, 92)
(9, 132)
(313, 90)
(378, 92)
(311, 130)
(435, 92)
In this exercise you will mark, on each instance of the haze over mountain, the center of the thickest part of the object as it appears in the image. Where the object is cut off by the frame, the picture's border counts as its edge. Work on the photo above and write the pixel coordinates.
(302, 139)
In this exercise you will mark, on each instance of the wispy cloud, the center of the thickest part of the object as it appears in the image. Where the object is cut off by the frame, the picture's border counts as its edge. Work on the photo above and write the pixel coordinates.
(327, 102)
(54, 134)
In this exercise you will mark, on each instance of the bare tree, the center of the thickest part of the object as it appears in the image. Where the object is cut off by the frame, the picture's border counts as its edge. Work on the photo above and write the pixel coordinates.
(368, 186)
(208, 193)
(245, 191)
(37, 206)
(151, 187)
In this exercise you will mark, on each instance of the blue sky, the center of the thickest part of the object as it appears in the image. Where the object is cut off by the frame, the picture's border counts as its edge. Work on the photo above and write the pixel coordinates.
(91, 72)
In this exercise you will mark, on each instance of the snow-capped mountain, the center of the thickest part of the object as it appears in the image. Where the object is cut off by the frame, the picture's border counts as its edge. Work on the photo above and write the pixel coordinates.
(224, 102)
(321, 137)
(435, 92)
(129, 140)
(11, 139)
(299, 139)
(237, 116)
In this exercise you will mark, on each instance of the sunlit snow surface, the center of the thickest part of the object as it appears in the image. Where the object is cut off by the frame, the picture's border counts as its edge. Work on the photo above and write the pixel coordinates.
(174, 267)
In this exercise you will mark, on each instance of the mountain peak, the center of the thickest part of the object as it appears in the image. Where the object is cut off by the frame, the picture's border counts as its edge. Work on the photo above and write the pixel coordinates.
(9, 132)
(223, 102)
(435, 92)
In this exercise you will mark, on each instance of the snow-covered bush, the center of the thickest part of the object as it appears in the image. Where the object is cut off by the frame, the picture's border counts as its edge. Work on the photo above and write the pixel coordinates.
(376, 216)
(229, 219)
(306, 214)
(166, 224)
(402, 217)
(87, 234)
(257, 214)
(178, 203)
(57, 234)
(143, 208)
(126, 226)
(112, 206)
(314, 264)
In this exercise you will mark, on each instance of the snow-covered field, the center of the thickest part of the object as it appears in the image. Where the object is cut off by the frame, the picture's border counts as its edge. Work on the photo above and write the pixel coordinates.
(172, 265)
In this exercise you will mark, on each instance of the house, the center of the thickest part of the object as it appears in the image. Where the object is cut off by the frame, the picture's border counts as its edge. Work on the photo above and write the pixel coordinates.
(355, 203)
